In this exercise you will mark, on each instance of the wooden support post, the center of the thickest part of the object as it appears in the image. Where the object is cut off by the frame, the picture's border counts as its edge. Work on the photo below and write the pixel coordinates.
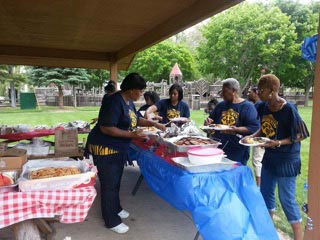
(114, 71)
(312, 232)
(26, 230)
(43, 225)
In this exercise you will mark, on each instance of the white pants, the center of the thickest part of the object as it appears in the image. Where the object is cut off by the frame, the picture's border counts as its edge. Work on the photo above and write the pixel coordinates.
(257, 155)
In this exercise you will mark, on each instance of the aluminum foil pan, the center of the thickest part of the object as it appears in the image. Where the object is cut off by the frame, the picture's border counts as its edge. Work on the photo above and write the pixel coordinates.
(170, 142)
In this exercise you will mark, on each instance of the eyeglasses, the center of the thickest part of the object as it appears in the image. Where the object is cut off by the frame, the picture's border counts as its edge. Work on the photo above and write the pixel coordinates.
(260, 90)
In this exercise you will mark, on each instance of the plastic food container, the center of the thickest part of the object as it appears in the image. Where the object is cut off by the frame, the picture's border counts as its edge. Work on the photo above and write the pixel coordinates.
(12, 187)
(205, 155)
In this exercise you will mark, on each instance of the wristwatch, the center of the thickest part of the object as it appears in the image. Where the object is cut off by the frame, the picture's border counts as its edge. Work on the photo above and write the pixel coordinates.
(279, 143)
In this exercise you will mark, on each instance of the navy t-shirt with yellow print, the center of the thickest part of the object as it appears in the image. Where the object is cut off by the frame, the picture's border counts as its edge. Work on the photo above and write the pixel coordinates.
(167, 110)
(114, 112)
(242, 114)
(283, 161)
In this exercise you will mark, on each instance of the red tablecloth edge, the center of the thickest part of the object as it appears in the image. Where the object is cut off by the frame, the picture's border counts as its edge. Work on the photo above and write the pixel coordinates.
(159, 150)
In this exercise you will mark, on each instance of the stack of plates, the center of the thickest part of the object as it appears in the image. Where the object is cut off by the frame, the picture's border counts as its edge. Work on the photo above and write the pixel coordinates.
(223, 165)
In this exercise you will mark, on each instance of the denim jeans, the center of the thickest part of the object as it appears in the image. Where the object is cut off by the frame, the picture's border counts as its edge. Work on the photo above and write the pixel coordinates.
(286, 191)
(110, 174)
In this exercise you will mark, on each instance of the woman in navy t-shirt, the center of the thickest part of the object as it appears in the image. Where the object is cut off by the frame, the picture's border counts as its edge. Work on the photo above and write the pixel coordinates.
(281, 162)
(108, 142)
(174, 107)
(240, 115)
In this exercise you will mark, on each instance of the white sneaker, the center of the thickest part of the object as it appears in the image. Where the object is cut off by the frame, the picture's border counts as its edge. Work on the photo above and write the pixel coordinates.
(121, 228)
(124, 214)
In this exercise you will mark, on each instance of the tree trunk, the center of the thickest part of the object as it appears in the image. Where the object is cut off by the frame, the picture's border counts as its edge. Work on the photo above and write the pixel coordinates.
(306, 93)
(74, 97)
(60, 98)
(308, 85)
(12, 91)
(13, 95)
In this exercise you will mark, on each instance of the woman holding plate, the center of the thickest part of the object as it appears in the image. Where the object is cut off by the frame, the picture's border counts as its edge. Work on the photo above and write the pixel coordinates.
(281, 163)
(233, 116)
(173, 107)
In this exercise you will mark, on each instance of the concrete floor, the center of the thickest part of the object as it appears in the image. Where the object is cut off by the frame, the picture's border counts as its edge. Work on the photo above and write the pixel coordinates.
(151, 218)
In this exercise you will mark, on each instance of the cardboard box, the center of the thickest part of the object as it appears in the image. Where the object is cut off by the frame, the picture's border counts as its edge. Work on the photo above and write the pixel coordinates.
(3, 147)
(13, 159)
(66, 142)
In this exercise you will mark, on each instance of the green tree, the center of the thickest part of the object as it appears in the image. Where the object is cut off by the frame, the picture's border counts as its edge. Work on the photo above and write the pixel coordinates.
(244, 39)
(97, 77)
(305, 19)
(12, 75)
(43, 76)
(155, 63)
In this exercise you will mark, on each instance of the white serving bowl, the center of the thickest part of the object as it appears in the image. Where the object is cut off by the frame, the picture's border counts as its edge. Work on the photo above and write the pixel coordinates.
(200, 156)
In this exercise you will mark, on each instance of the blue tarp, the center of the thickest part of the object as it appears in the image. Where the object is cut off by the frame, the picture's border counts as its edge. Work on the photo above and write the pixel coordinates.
(309, 48)
(224, 205)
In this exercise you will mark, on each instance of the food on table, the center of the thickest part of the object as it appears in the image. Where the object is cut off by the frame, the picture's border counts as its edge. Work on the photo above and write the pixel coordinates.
(192, 141)
(42, 127)
(5, 180)
(53, 172)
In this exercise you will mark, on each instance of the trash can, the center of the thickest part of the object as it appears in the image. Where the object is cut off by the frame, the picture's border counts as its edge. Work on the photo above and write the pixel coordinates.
(28, 100)
(195, 102)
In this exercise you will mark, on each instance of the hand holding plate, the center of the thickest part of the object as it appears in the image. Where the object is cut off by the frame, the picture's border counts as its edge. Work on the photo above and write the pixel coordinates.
(231, 131)
(208, 121)
(270, 144)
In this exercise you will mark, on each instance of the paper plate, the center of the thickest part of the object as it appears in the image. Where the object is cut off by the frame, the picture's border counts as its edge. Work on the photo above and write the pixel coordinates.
(257, 141)
(206, 128)
(220, 127)
(179, 119)
(149, 130)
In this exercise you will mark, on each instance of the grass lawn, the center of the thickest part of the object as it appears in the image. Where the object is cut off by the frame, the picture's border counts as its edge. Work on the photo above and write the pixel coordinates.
(51, 116)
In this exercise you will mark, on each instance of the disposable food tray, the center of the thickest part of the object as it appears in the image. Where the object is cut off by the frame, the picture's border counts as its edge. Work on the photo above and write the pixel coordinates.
(170, 142)
(87, 177)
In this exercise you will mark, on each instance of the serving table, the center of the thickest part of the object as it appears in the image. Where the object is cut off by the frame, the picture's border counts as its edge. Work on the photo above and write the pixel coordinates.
(13, 137)
(224, 205)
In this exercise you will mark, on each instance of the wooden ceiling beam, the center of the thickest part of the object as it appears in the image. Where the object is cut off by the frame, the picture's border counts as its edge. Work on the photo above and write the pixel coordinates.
(56, 62)
(54, 53)
(192, 15)
(36, 56)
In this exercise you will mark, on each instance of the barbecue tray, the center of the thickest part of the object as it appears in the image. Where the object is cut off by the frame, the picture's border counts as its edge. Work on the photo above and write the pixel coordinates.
(170, 142)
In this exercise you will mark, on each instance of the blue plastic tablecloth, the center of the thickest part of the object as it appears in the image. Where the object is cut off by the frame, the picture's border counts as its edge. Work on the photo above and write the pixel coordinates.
(224, 205)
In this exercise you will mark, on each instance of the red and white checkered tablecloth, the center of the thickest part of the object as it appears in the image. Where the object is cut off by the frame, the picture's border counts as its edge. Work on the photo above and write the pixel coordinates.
(71, 205)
